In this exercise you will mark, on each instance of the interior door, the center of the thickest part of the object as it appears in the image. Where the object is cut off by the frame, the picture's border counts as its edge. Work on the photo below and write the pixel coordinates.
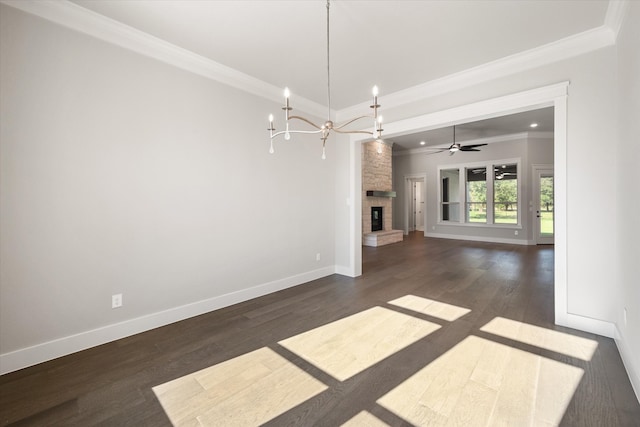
(419, 205)
(544, 196)
(412, 208)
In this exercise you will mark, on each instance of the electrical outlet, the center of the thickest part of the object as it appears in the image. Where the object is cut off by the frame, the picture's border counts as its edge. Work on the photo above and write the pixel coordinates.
(116, 300)
(516, 232)
(318, 256)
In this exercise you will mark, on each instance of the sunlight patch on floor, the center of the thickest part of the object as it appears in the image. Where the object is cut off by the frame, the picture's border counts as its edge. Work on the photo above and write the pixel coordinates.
(559, 342)
(363, 419)
(430, 307)
(482, 383)
(248, 390)
(348, 346)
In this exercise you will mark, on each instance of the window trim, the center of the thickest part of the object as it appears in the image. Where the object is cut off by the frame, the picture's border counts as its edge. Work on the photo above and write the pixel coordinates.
(462, 190)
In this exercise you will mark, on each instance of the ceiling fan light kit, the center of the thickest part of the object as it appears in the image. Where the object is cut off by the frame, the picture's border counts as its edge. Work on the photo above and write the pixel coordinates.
(325, 129)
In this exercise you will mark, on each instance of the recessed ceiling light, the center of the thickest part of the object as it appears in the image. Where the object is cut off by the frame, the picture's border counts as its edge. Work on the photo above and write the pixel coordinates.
(422, 142)
(533, 125)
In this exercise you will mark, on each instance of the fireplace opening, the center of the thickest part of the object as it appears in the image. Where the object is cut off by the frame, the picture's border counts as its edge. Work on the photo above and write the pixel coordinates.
(376, 218)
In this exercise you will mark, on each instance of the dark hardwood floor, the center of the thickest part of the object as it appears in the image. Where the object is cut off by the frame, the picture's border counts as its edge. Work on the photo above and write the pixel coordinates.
(112, 384)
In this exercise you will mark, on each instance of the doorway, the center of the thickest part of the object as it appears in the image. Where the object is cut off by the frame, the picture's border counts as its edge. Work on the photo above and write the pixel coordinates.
(415, 196)
(555, 95)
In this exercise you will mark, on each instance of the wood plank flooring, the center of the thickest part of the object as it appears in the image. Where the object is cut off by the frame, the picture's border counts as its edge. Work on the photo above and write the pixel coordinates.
(435, 332)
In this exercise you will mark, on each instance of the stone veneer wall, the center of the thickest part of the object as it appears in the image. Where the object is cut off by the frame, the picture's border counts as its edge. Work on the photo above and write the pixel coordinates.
(376, 175)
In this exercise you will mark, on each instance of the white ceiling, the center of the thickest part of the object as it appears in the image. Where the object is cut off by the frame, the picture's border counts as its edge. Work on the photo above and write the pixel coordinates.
(394, 44)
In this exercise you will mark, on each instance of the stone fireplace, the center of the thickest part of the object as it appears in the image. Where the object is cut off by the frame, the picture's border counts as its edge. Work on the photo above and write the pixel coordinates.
(377, 196)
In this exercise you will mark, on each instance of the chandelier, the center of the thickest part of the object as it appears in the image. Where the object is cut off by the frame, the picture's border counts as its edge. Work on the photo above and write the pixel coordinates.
(325, 129)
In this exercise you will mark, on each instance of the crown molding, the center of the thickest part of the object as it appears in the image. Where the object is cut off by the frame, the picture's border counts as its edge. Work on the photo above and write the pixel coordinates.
(567, 47)
(577, 44)
(616, 11)
(78, 18)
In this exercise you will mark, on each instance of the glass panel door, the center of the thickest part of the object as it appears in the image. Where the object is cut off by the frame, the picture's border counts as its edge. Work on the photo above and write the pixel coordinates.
(544, 206)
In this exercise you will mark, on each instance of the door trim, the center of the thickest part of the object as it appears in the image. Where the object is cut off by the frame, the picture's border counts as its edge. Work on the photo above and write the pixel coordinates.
(555, 95)
(408, 180)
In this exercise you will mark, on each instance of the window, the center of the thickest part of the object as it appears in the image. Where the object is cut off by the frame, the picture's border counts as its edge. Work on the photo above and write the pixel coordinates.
(481, 193)
(505, 194)
(477, 194)
(450, 180)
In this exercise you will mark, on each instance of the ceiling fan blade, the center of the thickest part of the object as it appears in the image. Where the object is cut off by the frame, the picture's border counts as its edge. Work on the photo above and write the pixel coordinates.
(468, 149)
(435, 150)
(473, 145)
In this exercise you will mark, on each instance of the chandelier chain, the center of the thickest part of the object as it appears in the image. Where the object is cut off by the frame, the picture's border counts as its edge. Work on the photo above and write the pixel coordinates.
(328, 69)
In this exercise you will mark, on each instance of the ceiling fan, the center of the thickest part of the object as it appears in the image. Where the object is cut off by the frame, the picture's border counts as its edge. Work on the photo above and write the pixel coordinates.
(455, 146)
(499, 173)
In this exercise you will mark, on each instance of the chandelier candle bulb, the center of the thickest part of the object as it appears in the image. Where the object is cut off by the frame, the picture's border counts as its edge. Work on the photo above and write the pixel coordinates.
(375, 100)
(286, 107)
(378, 127)
(271, 129)
(286, 102)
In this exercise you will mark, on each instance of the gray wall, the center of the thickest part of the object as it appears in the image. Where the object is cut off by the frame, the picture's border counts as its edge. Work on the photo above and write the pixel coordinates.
(624, 280)
(121, 174)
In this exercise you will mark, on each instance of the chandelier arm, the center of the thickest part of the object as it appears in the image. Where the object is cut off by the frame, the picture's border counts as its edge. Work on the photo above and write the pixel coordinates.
(312, 132)
(282, 132)
(353, 131)
(353, 120)
(307, 121)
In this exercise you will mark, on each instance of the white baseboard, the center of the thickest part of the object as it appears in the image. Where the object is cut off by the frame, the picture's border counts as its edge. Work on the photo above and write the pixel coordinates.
(39, 353)
(344, 271)
(628, 360)
(480, 239)
(609, 330)
(587, 324)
